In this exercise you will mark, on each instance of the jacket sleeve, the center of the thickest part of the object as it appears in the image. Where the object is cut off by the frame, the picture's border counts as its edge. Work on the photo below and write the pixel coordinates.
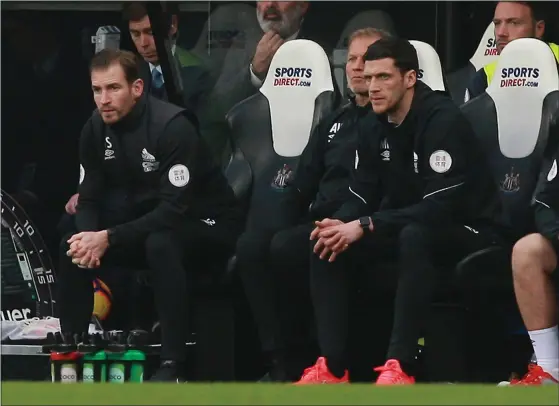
(477, 85)
(178, 148)
(443, 165)
(92, 182)
(365, 187)
(303, 189)
(546, 203)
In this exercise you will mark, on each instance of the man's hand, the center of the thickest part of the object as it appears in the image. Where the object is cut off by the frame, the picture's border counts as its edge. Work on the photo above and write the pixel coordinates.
(336, 239)
(71, 205)
(321, 225)
(87, 248)
(265, 51)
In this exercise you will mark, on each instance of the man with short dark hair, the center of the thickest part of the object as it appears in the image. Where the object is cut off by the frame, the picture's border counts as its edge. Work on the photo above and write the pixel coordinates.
(426, 205)
(513, 20)
(195, 77)
(150, 197)
(273, 264)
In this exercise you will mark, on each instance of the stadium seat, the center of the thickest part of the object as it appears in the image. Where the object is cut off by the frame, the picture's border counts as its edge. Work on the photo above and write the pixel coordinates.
(486, 53)
(513, 120)
(430, 69)
(370, 18)
(271, 128)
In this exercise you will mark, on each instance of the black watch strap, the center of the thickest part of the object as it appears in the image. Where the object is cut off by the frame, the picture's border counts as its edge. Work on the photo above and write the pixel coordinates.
(365, 222)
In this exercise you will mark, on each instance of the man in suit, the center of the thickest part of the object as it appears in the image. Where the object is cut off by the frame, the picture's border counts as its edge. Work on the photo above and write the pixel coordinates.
(194, 76)
(241, 77)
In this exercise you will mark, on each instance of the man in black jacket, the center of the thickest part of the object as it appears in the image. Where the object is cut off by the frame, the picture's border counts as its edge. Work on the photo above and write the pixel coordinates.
(274, 264)
(421, 192)
(534, 265)
(150, 197)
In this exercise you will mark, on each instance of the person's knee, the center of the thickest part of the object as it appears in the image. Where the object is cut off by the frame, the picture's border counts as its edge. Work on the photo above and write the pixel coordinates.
(533, 253)
(415, 236)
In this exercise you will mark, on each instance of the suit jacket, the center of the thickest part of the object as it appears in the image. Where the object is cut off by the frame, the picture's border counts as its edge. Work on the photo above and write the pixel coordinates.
(234, 82)
(196, 82)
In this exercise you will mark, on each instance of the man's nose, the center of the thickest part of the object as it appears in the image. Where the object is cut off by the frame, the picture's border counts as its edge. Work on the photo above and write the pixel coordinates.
(105, 98)
(502, 30)
(144, 40)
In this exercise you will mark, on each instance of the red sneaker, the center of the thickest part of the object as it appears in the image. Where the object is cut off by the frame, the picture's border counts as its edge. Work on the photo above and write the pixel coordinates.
(535, 376)
(391, 374)
(320, 374)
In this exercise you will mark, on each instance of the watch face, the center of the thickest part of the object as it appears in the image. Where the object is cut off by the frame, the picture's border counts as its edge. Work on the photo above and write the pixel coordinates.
(27, 272)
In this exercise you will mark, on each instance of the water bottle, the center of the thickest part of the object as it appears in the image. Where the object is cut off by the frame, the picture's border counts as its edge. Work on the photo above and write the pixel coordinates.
(65, 359)
(115, 355)
(137, 341)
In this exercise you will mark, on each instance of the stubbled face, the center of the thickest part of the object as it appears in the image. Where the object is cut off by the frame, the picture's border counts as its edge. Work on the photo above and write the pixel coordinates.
(113, 95)
(513, 21)
(355, 64)
(387, 84)
(283, 17)
(142, 36)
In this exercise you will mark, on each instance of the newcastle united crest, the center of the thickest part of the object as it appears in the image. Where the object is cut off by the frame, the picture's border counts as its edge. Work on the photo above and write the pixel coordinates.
(282, 178)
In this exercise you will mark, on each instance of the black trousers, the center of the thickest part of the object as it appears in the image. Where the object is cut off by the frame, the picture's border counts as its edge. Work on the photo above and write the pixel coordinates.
(274, 272)
(173, 257)
(421, 254)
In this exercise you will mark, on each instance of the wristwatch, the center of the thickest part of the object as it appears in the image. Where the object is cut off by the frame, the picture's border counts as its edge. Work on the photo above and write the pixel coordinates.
(365, 222)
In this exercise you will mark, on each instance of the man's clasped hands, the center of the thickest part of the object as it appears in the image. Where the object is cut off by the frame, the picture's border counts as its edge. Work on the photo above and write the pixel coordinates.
(334, 237)
(87, 248)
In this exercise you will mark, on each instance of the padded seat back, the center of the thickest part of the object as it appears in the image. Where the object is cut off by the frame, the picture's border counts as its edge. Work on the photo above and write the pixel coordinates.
(513, 119)
(485, 53)
(271, 128)
(430, 69)
(365, 19)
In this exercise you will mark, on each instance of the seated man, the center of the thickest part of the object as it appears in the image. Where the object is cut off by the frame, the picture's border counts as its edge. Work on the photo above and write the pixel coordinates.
(534, 264)
(150, 197)
(436, 206)
(513, 20)
(318, 189)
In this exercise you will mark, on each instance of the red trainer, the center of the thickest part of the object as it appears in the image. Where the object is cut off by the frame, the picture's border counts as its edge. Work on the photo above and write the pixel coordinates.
(320, 374)
(391, 374)
(535, 376)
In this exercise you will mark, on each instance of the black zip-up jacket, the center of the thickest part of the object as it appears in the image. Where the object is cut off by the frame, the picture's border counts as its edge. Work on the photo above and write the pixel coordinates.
(320, 184)
(430, 170)
(546, 202)
(152, 166)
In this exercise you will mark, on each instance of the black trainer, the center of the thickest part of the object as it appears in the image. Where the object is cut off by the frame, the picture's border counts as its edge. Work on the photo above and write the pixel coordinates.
(169, 371)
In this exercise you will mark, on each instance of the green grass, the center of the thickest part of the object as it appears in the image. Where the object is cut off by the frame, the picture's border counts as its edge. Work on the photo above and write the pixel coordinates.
(24, 393)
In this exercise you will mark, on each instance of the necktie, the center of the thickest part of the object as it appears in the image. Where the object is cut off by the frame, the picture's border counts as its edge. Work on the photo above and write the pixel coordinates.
(156, 79)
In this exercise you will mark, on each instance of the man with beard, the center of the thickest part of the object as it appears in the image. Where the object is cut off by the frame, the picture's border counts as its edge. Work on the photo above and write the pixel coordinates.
(513, 20)
(150, 197)
(242, 77)
(274, 265)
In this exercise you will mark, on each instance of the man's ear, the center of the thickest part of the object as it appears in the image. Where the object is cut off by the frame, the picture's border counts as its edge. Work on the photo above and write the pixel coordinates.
(174, 25)
(540, 29)
(304, 7)
(411, 79)
(137, 87)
